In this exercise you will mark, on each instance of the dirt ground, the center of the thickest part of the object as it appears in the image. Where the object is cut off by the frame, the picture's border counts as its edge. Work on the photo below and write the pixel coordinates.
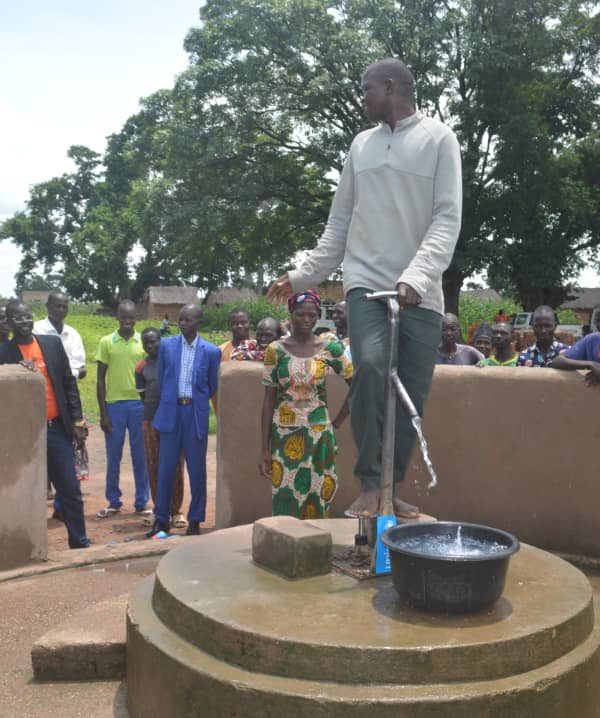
(32, 606)
(29, 607)
(125, 526)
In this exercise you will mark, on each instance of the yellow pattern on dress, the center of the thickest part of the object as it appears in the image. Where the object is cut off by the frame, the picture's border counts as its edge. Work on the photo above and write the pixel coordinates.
(287, 417)
(319, 371)
(270, 356)
(328, 488)
(276, 473)
(294, 447)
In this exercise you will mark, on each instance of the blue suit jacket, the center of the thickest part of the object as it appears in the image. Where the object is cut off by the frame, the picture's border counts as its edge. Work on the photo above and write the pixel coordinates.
(204, 383)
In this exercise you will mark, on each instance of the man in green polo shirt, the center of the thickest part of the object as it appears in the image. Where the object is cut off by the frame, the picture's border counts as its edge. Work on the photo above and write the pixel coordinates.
(121, 409)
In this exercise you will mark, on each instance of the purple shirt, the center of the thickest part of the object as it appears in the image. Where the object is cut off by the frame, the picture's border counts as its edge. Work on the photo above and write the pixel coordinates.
(586, 349)
(463, 356)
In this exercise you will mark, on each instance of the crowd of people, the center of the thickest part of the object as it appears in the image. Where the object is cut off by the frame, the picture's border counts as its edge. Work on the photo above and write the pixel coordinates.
(494, 345)
(156, 389)
(394, 223)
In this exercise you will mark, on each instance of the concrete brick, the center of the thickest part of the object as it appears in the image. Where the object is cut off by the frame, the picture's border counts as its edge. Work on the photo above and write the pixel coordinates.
(294, 548)
(88, 646)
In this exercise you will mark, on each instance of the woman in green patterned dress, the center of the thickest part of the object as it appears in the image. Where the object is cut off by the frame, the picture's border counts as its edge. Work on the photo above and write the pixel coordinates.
(298, 442)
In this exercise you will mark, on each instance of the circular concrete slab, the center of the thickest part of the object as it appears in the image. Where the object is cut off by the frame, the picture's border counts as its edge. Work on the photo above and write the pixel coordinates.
(334, 628)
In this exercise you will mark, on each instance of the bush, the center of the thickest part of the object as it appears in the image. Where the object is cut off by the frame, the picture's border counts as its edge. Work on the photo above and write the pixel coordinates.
(476, 311)
(217, 318)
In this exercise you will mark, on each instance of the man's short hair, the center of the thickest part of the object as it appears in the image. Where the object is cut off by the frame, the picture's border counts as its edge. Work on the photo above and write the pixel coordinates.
(391, 68)
(13, 305)
(544, 309)
(238, 310)
(195, 307)
(150, 330)
(126, 304)
(55, 294)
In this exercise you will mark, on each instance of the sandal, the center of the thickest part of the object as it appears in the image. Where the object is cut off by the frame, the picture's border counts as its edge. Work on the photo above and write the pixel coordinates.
(108, 511)
(148, 520)
(144, 512)
(178, 521)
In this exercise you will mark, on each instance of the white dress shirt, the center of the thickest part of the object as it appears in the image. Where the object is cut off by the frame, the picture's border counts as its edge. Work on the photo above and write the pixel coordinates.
(71, 340)
(186, 368)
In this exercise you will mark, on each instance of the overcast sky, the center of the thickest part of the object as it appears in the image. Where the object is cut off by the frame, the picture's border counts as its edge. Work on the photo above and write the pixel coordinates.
(72, 72)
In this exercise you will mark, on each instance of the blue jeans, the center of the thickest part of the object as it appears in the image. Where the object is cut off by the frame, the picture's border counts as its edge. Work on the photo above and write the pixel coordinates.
(172, 443)
(60, 459)
(126, 415)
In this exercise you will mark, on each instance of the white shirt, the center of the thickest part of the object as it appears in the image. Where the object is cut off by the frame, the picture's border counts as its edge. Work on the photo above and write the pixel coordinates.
(396, 213)
(71, 340)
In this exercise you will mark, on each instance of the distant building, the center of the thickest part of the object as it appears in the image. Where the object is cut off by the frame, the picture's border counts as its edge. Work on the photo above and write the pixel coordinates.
(331, 291)
(35, 296)
(159, 301)
(485, 295)
(230, 295)
(584, 301)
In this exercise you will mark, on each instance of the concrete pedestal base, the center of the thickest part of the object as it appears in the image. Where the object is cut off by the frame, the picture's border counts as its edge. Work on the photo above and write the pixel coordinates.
(215, 635)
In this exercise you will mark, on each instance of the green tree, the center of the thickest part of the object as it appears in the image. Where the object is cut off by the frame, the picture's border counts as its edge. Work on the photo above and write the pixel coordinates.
(69, 230)
(226, 176)
(515, 81)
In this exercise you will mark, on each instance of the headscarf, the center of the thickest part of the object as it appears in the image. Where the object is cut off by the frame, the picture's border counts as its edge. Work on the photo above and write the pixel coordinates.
(302, 297)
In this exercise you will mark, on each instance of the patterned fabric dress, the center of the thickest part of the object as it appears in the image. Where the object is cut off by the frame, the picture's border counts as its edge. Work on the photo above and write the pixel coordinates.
(303, 446)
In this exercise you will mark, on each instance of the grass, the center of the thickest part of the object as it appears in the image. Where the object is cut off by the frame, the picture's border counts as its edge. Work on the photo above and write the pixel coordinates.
(92, 328)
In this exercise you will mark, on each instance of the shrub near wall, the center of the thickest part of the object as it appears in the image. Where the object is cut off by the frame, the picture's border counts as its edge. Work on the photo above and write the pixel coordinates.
(217, 318)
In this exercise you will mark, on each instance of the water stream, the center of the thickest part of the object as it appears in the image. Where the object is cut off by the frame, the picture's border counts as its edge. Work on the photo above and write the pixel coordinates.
(416, 422)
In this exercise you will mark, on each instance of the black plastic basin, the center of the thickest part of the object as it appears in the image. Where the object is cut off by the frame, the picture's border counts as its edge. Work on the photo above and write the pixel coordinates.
(447, 580)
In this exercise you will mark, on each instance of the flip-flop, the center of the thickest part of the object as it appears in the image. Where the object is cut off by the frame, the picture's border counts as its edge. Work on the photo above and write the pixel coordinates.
(178, 521)
(108, 511)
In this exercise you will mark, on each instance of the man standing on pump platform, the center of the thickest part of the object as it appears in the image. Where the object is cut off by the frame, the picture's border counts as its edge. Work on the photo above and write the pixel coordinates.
(394, 223)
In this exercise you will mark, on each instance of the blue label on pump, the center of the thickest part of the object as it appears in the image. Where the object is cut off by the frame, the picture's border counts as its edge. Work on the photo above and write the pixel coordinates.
(382, 554)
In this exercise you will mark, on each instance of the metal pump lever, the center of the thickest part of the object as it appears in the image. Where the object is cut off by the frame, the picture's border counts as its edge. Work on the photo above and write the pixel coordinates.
(395, 389)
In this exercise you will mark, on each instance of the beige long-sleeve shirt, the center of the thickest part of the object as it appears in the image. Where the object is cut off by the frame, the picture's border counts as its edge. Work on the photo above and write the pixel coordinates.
(396, 213)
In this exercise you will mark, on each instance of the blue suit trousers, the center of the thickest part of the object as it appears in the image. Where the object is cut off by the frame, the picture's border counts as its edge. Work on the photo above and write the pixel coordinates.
(172, 443)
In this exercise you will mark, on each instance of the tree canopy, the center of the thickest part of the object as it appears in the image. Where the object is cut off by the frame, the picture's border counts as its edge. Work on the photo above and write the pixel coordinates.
(224, 177)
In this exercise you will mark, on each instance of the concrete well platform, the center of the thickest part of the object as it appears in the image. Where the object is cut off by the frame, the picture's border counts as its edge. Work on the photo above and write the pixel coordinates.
(215, 635)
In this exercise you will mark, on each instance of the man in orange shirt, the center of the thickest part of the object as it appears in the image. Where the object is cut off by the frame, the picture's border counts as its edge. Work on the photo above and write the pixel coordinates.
(46, 354)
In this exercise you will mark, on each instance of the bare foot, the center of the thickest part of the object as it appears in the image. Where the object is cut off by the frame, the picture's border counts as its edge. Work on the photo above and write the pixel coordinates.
(365, 504)
(404, 510)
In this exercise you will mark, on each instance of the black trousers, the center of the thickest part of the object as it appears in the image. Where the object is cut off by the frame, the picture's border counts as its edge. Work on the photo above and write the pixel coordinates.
(61, 472)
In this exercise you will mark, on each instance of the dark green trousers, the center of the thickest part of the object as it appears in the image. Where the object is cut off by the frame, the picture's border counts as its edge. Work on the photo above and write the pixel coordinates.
(419, 338)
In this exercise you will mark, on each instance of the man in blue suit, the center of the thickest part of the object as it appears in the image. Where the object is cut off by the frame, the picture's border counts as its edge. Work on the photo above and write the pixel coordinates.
(188, 370)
